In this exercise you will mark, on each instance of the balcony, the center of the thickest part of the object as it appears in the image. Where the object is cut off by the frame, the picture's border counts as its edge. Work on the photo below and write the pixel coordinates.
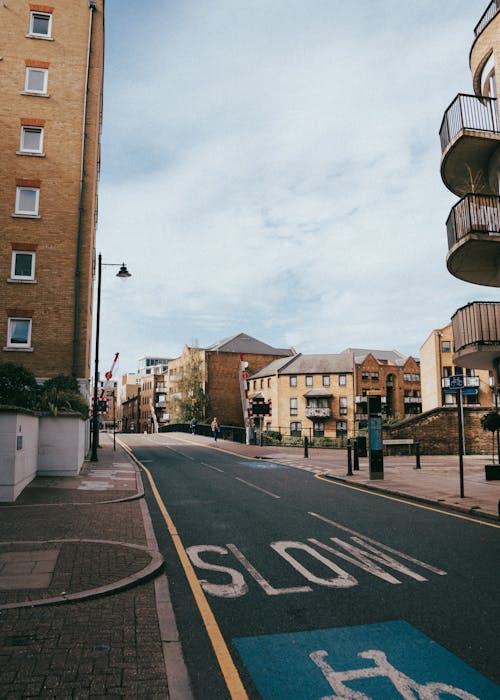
(469, 382)
(470, 134)
(473, 228)
(314, 412)
(413, 399)
(476, 333)
(488, 15)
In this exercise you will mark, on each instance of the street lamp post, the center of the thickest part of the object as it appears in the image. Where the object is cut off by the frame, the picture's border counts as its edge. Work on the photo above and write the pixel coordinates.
(122, 273)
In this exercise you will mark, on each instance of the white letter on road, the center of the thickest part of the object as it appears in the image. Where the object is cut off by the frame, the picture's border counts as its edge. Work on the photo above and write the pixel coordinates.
(237, 588)
(342, 580)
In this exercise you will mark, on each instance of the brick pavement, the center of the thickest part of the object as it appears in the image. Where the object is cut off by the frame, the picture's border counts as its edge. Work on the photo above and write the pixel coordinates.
(84, 605)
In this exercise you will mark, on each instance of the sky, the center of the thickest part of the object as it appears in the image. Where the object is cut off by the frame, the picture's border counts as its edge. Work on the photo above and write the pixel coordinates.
(272, 167)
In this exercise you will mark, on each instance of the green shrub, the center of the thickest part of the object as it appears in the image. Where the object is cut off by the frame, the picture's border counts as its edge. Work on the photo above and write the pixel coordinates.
(18, 386)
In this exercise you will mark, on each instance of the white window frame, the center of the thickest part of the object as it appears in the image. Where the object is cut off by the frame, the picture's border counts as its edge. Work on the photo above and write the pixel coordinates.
(10, 344)
(45, 72)
(309, 380)
(19, 190)
(24, 129)
(47, 15)
(343, 405)
(13, 265)
(342, 380)
(294, 406)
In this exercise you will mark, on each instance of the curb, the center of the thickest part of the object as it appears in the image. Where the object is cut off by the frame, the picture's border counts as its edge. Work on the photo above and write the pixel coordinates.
(479, 514)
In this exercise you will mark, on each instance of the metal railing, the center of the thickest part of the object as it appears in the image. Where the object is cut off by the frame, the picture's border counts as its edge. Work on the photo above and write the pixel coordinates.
(477, 323)
(473, 214)
(469, 112)
(488, 15)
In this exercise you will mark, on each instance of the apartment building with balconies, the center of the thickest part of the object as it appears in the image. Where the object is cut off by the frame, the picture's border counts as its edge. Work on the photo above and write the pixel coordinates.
(396, 377)
(50, 119)
(470, 167)
(311, 395)
(437, 366)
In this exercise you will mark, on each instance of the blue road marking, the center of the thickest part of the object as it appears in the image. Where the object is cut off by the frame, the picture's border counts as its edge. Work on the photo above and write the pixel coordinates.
(264, 464)
(386, 661)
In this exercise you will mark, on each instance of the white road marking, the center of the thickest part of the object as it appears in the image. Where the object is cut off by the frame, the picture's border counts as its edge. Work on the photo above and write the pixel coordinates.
(235, 589)
(268, 493)
(211, 466)
(341, 580)
(263, 583)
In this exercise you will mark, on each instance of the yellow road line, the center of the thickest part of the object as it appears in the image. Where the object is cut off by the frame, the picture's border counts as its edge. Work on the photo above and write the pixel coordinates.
(407, 501)
(226, 663)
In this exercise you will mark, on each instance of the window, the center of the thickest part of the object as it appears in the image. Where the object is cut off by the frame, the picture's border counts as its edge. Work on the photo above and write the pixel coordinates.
(407, 377)
(31, 139)
(27, 199)
(342, 380)
(375, 375)
(326, 380)
(446, 346)
(293, 407)
(36, 80)
(309, 380)
(364, 375)
(341, 428)
(293, 380)
(19, 333)
(415, 377)
(268, 382)
(318, 428)
(447, 371)
(343, 405)
(296, 429)
(40, 24)
(23, 265)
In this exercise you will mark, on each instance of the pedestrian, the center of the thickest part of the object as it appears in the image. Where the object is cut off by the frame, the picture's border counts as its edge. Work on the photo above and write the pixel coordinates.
(193, 426)
(215, 428)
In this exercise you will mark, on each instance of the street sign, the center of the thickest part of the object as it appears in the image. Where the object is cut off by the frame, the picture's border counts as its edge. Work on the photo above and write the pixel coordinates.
(457, 381)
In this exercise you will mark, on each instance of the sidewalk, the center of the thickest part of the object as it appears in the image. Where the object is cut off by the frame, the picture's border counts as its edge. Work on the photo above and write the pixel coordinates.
(436, 483)
(84, 608)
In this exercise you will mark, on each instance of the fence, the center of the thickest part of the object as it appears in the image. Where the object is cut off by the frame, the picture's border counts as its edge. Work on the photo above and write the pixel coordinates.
(469, 112)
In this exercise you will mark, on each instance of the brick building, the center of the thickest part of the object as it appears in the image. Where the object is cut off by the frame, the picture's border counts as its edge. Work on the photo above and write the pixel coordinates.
(50, 118)
(394, 375)
(205, 382)
(437, 366)
(311, 395)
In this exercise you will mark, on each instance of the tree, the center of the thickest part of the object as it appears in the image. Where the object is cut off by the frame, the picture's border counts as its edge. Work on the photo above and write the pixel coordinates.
(491, 422)
(191, 400)
(18, 386)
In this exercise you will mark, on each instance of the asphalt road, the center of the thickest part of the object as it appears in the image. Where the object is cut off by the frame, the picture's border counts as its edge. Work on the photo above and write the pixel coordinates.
(318, 590)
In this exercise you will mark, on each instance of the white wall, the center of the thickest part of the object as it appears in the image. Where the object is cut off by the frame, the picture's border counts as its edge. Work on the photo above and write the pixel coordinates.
(18, 453)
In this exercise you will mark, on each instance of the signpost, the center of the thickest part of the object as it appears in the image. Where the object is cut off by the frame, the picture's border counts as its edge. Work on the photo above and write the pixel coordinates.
(457, 381)
(376, 460)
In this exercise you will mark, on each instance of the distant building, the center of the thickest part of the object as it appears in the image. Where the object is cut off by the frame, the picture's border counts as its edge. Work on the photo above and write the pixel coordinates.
(394, 375)
(50, 120)
(205, 382)
(437, 366)
(311, 395)
(152, 365)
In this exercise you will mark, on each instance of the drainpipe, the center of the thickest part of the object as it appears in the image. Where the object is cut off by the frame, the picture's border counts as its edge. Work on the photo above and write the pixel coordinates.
(76, 312)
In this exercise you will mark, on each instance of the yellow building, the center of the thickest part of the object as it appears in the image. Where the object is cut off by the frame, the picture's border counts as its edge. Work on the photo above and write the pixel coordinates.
(311, 395)
(437, 366)
(50, 119)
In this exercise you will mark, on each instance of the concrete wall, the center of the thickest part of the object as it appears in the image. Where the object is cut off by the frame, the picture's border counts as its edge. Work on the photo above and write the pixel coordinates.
(18, 452)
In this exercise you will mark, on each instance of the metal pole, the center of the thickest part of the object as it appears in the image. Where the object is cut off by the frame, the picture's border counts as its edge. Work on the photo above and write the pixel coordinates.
(114, 422)
(356, 456)
(349, 458)
(460, 442)
(417, 455)
(306, 447)
(95, 415)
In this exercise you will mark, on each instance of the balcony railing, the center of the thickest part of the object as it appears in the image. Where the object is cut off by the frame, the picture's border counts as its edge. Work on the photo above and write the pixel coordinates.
(474, 214)
(314, 412)
(488, 15)
(469, 382)
(469, 112)
(412, 399)
(477, 323)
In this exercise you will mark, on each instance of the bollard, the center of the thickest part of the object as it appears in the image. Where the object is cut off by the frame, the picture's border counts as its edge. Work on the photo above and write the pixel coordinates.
(349, 458)
(306, 447)
(417, 455)
(499, 510)
(356, 456)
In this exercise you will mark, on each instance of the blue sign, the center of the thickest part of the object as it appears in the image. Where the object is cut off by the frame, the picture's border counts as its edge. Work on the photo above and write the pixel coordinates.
(387, 661)
(457, 381)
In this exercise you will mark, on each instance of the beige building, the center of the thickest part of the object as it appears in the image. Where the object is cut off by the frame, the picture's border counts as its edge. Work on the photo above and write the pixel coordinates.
(50, 119)
(311, 395)
(470, 168)
(437, 366)
(206, 382)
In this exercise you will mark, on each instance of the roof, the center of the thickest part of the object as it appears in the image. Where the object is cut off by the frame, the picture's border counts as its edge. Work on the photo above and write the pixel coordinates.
(245, 344)
(393, 357)
(308, 364)
(318, 393)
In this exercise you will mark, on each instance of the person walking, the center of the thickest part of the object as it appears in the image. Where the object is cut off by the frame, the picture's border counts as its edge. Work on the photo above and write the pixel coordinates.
(193, 426)
(215, 428)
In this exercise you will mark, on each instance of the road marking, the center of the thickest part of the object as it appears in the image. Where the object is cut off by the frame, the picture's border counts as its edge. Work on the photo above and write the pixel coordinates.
(439, 572)
(226, 663)
(406, 501)
(269, 589)
(211, 466)
(273, 495)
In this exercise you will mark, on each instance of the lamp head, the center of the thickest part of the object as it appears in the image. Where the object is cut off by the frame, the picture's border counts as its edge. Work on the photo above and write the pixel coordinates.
(123, 272)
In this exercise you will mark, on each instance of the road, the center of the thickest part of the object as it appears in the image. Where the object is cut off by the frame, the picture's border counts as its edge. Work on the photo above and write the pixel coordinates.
(310, 589)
